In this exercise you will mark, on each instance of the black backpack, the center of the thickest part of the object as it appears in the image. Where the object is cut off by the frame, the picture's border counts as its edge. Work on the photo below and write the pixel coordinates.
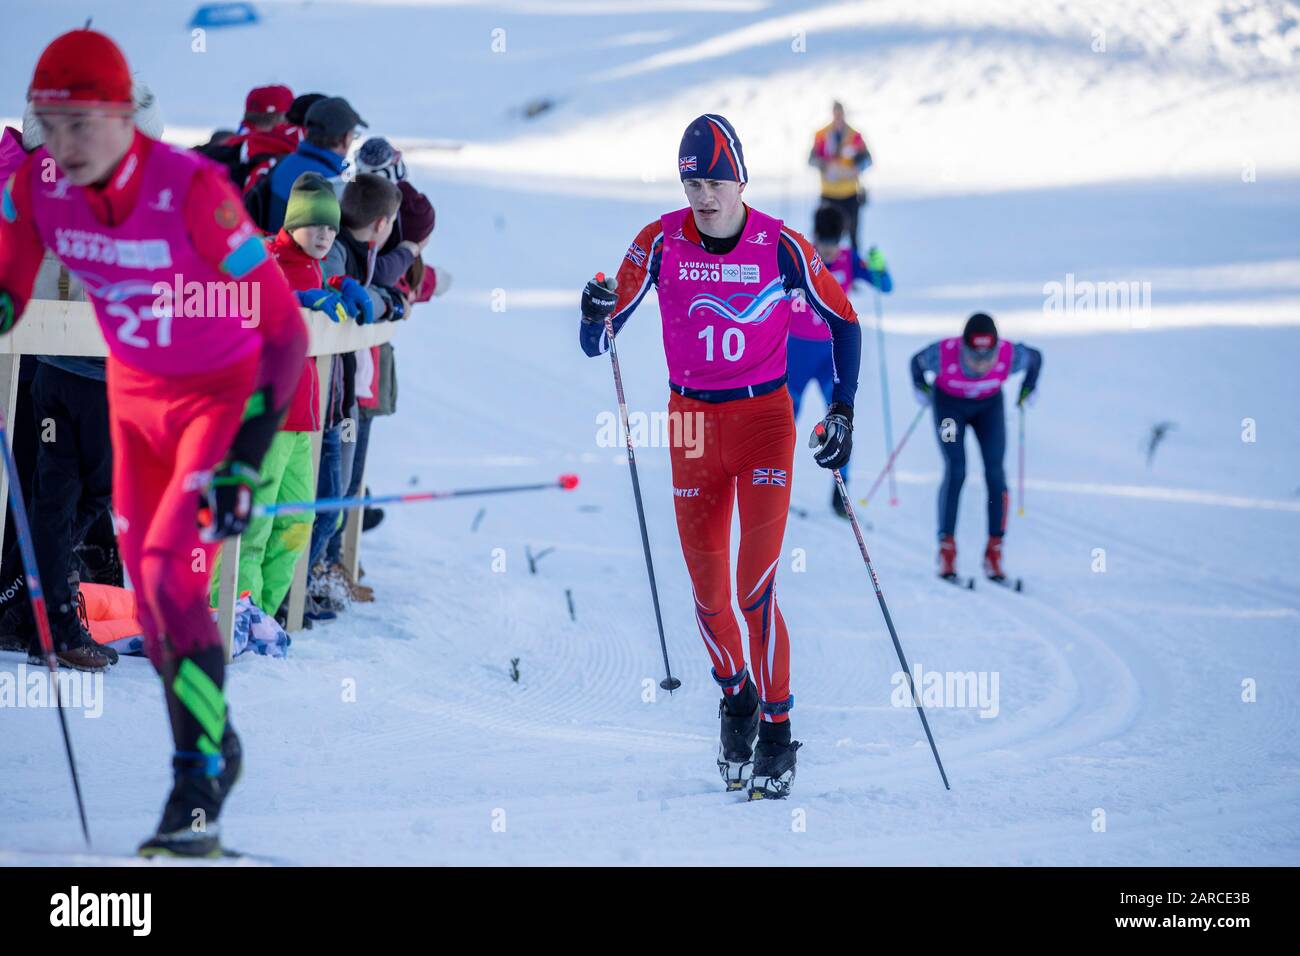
(219, 151)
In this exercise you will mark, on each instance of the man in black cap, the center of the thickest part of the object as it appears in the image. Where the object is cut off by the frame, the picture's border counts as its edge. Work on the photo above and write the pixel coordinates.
(331, 127)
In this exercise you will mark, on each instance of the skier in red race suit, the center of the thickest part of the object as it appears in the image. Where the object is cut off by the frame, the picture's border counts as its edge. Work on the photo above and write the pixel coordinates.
(206, 344)
(728, 278)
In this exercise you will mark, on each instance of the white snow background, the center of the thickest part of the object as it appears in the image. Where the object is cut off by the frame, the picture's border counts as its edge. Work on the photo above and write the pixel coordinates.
(1010, 153)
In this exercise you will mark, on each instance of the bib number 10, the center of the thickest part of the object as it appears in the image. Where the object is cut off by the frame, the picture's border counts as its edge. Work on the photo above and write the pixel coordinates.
(733, 343)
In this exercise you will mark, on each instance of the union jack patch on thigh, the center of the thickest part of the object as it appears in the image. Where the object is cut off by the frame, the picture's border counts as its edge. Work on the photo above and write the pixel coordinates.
(769, 476)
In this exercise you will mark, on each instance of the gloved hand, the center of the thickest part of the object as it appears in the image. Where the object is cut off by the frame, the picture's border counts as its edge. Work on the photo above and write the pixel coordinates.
(923, 392)
(226, 503)
(1026, 395)
(832, 439)
(876, 260)
(324, 300)
(396, 305)
(356, 298)
(8, 312)
(599, 298)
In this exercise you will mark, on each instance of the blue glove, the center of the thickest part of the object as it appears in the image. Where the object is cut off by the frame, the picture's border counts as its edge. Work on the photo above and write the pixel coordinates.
(324, 300)
(357, 300)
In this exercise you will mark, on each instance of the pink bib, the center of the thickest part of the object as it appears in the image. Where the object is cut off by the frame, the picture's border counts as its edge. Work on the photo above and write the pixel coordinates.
(954, 380)
(163, 310)
(725, 318)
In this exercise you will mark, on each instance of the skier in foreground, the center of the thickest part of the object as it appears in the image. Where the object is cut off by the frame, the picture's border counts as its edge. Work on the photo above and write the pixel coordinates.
(967, 390)
(196, 393)
(728, 278)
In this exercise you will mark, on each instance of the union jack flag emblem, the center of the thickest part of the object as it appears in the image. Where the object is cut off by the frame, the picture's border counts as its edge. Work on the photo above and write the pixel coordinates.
(686, 164)
(769, 476)
(636, 255)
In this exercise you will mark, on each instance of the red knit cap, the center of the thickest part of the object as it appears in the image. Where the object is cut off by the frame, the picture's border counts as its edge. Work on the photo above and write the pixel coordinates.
(268, 99)
(82, 70)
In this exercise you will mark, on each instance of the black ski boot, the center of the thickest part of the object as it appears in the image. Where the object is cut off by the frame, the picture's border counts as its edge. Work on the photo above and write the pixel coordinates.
(739, 718)
(773, 762)
(189, 825)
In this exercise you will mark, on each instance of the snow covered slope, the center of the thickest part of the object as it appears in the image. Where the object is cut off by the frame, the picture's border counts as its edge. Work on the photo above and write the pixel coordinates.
(1009, 155)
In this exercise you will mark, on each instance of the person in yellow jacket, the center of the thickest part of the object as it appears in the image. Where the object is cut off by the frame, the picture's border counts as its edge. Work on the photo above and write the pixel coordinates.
(840, 154)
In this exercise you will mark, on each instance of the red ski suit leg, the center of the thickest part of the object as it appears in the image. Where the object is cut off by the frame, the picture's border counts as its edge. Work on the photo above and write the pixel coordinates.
(168, 434)
(741, 451)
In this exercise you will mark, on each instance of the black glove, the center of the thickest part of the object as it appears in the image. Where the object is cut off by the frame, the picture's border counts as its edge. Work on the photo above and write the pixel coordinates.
(599, 298)
(833, 437)
(396, 304)
(226, 504)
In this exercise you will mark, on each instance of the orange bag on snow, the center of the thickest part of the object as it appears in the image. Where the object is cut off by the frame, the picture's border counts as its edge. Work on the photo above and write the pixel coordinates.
(110, 612)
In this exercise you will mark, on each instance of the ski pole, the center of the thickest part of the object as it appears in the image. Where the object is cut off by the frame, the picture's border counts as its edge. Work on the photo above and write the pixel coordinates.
(892, 455)
(818, 437)
(669, 683)
(1022, 461)
(564, 482)
(23, 532)
(884, 401)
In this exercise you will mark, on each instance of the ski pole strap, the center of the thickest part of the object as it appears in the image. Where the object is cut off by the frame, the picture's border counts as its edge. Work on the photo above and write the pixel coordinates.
(773, 707)
(735, 680)
(728, 394)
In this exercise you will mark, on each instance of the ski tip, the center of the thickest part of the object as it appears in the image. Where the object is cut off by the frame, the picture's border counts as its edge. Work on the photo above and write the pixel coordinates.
(670, 684)
(970, 584)
(568, 482)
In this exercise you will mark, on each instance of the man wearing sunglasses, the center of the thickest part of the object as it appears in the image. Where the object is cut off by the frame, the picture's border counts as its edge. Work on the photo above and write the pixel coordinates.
(967, 391)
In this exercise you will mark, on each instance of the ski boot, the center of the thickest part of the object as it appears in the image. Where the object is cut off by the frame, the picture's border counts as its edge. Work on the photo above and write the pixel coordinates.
(947, 557)
(993, 559)
(739, 729)
(774, 762)
(189, 826)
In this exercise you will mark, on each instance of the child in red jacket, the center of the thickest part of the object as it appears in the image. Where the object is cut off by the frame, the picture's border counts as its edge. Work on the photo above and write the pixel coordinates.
(270, 548)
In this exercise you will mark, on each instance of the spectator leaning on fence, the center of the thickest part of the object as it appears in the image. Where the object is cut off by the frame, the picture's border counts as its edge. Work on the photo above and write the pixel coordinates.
(369, 211)
(331, 128)
(270, 547)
